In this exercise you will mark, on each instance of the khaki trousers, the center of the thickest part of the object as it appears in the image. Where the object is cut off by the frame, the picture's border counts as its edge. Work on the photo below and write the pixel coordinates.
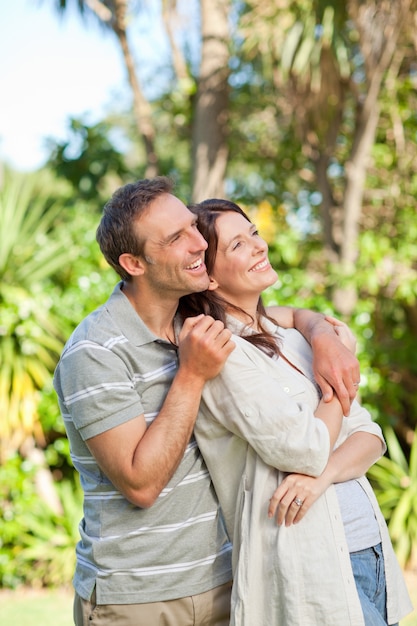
(211, 608)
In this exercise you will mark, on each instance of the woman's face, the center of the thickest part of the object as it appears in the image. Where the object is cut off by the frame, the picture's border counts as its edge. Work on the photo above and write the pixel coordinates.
(241, 269)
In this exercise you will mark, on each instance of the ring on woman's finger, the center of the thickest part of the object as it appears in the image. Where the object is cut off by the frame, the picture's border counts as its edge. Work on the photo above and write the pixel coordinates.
(298, 501)
(356, 384)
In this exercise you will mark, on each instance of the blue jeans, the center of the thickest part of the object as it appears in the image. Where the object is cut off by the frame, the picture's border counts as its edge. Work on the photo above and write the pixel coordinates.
(369, 572)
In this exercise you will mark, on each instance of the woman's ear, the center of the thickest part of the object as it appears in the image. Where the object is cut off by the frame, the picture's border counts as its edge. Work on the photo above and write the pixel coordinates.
(133, 265)
(213, 284)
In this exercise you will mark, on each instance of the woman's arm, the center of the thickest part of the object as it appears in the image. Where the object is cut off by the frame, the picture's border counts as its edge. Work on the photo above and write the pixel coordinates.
(350, 460)
(335, 366)
(259, 400)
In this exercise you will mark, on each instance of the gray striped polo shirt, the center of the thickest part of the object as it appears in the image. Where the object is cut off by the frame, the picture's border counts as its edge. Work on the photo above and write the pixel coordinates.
(113, 369)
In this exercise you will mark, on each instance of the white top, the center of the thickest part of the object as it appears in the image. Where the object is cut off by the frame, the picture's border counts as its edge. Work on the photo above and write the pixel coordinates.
(298, 575)
(359, 521)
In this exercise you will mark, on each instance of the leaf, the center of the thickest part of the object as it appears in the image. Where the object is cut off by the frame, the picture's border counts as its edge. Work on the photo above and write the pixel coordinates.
(291, 44)
(394, 448)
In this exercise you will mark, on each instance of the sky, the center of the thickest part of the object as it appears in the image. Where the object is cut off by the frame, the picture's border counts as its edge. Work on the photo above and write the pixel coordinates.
(51, 69)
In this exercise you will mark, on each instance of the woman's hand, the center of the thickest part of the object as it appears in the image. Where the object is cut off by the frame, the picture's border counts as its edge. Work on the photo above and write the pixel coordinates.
(294, 496)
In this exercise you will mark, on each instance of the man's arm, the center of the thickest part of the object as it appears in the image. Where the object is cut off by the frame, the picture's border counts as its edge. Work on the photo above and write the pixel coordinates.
(140, 461)
(335, 366)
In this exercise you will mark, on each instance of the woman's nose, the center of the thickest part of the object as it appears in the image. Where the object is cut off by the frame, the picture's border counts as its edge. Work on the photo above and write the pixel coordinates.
(260, 246)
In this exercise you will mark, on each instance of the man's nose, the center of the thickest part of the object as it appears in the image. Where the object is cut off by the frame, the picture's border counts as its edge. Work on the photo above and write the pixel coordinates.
(199, 241)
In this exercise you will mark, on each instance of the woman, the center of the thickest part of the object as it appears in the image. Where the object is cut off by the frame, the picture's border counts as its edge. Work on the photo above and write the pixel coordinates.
(263, 431)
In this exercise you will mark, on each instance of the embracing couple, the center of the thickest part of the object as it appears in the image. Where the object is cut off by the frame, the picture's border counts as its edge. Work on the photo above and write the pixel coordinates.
(209, 442)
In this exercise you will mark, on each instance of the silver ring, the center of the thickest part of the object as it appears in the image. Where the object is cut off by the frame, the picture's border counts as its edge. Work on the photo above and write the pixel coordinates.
(298, 501)
(356, 384)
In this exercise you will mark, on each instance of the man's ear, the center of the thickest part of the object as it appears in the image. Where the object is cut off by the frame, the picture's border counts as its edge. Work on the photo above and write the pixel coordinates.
(213, 284)
(132, 264)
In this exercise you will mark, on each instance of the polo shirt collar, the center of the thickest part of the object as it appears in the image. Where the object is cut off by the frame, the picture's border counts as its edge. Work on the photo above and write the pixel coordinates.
(129, 321)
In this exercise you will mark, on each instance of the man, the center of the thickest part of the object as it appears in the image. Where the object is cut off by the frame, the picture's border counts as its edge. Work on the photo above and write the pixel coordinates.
(153, 545)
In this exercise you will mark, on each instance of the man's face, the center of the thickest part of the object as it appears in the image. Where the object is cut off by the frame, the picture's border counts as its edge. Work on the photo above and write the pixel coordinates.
(174, 248)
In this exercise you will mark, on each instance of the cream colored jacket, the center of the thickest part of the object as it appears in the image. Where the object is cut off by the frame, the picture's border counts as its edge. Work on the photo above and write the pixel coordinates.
(257, 415)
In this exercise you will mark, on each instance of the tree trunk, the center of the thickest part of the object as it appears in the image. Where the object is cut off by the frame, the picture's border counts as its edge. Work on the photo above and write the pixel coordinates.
(373, 20)
(114, 16)
(142, 108)
(377, 63)
(327, 206)
(210, 150)
(178, 60)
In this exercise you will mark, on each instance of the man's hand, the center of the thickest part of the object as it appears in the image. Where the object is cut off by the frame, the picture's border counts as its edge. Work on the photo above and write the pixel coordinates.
(335, 367)
(140, 460)
(343, 332)
(203, 346)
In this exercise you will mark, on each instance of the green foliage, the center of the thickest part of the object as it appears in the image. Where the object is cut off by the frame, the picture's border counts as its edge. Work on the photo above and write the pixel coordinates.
(270, 162)
(53, 274)
(89, 160)
(37, 546)
(32, 249)
(38, 311)
(395, 484)
(27, 216)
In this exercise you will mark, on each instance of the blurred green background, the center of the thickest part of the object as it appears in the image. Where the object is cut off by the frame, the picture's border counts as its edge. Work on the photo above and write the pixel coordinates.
(302, 112)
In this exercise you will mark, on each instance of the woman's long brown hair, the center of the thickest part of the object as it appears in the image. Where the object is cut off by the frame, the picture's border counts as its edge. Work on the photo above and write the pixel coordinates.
(209, 302)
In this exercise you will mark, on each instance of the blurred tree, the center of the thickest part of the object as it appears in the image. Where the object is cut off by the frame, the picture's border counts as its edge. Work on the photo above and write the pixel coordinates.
(114, 14)
(31, 332)
(313, 108)
(324, 102)
(48, 256)
(331, 64)
(89, 161)
(209, 146)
